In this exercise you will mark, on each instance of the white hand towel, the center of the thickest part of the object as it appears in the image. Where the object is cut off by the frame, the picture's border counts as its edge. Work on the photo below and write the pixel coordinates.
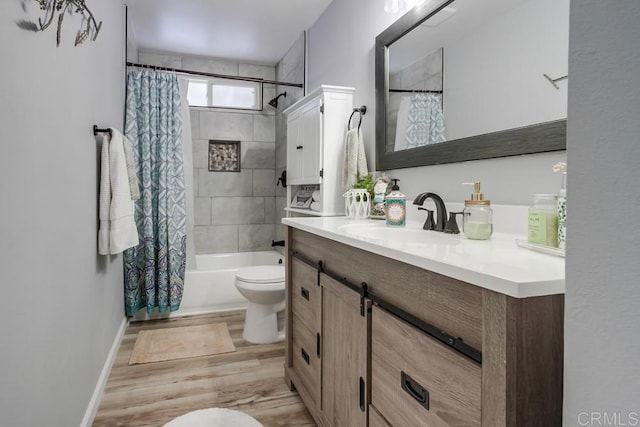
(117, 225)
(316, 196)
(355, 161)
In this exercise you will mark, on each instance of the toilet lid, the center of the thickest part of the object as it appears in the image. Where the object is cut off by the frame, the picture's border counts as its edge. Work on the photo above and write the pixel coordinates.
(261, 274)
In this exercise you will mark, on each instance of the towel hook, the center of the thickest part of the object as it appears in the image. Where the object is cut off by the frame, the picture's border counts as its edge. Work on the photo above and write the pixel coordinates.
(97, 130)
(362, 110)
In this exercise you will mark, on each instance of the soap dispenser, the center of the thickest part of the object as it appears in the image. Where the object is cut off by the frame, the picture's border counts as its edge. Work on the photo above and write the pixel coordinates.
(396, 206)
(477, 217)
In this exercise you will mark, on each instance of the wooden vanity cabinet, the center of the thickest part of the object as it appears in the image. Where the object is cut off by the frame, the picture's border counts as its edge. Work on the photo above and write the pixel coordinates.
(411, 373)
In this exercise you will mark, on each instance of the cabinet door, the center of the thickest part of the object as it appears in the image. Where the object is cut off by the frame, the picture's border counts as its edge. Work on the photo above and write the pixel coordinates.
(311, 132)
(344, 355)
(294, 156)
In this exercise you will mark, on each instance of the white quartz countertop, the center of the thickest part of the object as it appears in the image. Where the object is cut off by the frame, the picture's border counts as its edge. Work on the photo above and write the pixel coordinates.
(498, 264)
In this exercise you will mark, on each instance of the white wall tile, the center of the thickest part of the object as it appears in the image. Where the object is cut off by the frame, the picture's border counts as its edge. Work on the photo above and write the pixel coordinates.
(269, 210)
(211, 184)
(210, 65)
(264, 128)
(160, 59)
(257, 155)
(264, 182)
(216, 239)
(259, 71)
(195, 123)
(229, 126)
(237, 210)
(255, 237)
(202, 211)
(200, 153)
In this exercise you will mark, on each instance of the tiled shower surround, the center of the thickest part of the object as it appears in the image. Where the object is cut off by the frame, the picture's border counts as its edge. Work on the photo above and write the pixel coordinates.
(233, 211)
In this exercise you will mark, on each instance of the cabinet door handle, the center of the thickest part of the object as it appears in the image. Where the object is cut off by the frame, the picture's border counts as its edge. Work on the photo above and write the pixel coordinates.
(362, 407)
(414, 389)
(305, 355)
(318, 345)
(299, 147)
(305, 293)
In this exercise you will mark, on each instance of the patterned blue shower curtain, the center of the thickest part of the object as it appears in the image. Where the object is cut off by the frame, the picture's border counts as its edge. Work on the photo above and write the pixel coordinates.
(154, 270)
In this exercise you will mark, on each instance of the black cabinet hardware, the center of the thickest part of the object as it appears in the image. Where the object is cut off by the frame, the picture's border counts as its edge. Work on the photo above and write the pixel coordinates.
(305, 355)
(415, 390)
(362, 405)
(305, 293)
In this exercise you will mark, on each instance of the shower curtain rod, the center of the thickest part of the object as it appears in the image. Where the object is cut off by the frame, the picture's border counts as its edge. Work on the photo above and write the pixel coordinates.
(414, 91)
(219, 76)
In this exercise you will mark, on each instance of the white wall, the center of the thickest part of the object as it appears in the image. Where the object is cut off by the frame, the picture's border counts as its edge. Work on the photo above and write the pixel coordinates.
(341, 52)
(602, 313)
(62, 304)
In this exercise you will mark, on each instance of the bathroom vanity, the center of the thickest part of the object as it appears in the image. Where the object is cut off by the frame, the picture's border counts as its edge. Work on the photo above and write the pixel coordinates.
(405, 327)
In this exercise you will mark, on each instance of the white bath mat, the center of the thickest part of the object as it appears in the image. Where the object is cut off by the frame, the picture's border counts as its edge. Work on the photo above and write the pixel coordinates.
(214, 417)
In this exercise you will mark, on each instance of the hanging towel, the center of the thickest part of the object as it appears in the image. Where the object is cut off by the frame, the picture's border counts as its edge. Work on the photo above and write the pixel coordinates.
(117, 230)
(355, 161)
(131, 167)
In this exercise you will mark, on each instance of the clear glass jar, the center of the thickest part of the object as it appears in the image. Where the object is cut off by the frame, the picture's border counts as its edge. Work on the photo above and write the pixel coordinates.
(543, 220)
(477, 220)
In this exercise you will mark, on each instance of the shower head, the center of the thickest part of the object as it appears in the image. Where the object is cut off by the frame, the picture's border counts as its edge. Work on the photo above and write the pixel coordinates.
(274, 101)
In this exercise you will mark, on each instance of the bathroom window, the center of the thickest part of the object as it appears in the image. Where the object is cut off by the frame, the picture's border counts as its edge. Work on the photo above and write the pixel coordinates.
(225, 93)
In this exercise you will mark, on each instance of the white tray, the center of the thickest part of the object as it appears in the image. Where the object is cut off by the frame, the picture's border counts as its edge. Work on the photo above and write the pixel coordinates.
(540, 248)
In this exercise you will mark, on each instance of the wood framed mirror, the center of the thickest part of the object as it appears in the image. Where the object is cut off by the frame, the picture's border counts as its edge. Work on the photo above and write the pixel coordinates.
(503, 79)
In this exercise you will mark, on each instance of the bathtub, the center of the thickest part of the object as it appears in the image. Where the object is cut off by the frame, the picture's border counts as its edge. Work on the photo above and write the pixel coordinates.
(210, 288)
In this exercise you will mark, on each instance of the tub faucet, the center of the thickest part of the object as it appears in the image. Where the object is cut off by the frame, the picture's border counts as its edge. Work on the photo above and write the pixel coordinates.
(441, 211)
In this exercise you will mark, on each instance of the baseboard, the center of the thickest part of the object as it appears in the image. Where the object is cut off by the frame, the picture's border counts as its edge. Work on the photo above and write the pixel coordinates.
(92, 409)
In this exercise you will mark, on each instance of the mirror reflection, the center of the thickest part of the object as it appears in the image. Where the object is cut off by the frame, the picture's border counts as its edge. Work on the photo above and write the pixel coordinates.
(474, 68)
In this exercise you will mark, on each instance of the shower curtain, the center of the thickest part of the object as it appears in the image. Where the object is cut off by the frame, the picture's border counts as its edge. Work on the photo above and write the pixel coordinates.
(420, 121)
(154, 270)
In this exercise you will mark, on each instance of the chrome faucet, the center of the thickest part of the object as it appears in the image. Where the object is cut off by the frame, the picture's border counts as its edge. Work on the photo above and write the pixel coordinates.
(441, 211)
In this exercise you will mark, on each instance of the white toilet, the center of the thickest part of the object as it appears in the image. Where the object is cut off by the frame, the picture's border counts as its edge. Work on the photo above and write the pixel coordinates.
(264, 287)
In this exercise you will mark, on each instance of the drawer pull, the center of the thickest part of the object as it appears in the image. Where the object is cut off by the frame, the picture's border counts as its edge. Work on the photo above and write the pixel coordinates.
(414, 390)
(305, 355)
(305, 293)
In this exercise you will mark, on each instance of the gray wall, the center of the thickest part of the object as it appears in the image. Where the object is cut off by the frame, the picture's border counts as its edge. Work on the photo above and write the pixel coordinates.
(232, 211)
(62, 303)
(602, 314)
(290, 69)
(341, 54)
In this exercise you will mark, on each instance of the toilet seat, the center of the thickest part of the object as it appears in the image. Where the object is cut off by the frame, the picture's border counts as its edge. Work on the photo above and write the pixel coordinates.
(261, 274)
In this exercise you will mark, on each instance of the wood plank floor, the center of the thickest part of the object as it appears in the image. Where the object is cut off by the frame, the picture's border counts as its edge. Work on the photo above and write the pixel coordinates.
(250, 380)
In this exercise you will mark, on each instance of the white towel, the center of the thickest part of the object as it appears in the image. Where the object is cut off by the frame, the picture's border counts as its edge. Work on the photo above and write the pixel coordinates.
(316, 206)
(316, 196)
(117, 226)
(355, 161)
